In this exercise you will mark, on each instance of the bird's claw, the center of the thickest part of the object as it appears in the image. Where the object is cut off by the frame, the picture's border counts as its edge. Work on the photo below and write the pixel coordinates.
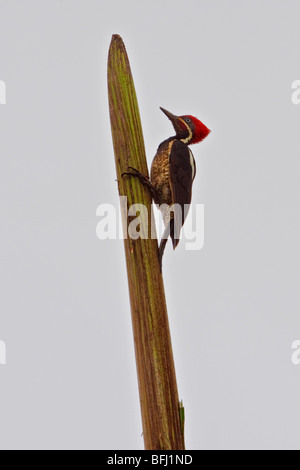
(133, 169)
(133, 172)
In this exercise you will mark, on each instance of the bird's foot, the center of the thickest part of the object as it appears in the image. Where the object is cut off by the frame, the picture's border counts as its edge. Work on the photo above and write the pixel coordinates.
(145, 180)
(134, 172)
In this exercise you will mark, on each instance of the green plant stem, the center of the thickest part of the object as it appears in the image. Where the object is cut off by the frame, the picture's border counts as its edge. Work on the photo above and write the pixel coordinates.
(162, 427)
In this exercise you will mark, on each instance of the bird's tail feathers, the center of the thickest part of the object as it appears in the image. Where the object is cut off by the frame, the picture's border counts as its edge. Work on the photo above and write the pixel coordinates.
(169, 232)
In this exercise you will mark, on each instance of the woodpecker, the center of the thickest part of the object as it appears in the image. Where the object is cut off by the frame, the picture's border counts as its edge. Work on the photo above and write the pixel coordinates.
(172, 174)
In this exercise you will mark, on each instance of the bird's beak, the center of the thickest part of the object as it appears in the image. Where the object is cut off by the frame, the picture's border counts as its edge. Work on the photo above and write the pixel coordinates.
(175, 120)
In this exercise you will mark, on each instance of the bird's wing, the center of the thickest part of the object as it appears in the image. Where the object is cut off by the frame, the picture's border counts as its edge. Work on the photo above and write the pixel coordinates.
(182, 173)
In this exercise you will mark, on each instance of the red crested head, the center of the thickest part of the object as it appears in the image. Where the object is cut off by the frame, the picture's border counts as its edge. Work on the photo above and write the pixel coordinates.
(188, 128)
(198, 129)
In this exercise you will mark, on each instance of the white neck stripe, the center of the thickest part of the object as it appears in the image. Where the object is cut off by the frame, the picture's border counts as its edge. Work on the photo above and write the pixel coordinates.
(187, 139)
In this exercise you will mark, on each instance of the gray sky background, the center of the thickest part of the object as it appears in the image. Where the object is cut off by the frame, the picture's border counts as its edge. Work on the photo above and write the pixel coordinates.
(70, 379)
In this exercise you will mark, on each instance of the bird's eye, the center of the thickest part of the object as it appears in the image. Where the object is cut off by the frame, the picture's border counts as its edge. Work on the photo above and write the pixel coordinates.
(187, 120)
